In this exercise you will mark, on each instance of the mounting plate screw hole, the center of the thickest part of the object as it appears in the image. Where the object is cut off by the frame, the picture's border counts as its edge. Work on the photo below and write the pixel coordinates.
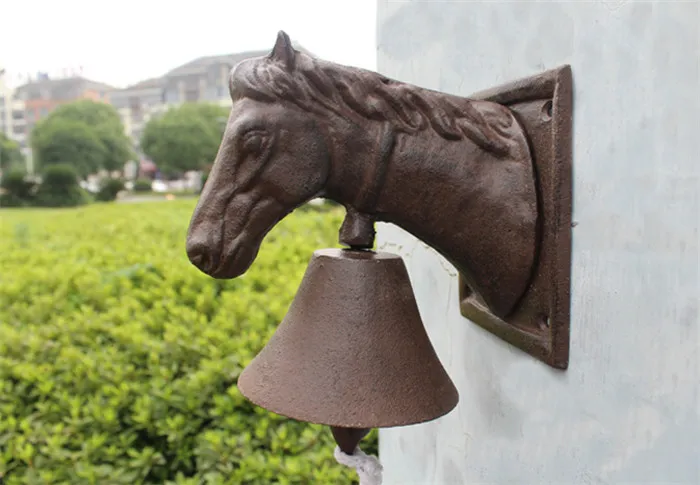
(547, 110)
(544, 322)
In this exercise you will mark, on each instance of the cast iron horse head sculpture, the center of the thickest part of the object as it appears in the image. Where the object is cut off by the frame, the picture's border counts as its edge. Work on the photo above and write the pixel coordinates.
(455, 172)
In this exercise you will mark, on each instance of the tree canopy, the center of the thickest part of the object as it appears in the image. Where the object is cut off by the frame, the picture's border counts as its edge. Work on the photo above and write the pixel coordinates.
(10, 154)
(185, 138)
(85, 134)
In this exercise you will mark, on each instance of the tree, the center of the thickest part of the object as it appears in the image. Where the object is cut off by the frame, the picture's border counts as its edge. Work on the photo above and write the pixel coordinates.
(85, 134)
(11, 157)
(185, 138)
(68, 142)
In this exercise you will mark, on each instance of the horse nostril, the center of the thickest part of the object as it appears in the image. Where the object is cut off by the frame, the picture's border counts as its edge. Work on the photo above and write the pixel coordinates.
(198, 257)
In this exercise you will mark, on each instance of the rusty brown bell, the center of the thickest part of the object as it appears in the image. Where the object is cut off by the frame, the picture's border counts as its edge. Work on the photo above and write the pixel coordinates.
(352, 352)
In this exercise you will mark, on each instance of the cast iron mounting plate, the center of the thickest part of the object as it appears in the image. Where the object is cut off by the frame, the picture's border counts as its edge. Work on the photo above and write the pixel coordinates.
(539, 325)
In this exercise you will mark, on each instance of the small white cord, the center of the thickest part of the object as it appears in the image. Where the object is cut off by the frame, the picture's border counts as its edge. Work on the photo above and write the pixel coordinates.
(368, 467)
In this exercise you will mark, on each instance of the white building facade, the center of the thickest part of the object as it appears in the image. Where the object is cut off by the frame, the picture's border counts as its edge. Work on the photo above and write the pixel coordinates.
(626, 411)
(136, 105)
(12, 118)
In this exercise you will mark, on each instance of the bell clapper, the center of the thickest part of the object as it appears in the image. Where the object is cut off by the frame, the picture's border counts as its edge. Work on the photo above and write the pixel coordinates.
(348, 438)
(347, 453)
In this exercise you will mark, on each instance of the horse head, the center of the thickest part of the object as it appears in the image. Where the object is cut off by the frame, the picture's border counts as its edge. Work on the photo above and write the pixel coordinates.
(302, 128)
(272, 159)
(482, 180)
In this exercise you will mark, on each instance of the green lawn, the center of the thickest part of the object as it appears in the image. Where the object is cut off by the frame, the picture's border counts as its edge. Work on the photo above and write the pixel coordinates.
(119, 360)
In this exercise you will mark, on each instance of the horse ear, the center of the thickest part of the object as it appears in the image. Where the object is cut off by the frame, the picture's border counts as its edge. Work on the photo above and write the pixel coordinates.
(283, 51)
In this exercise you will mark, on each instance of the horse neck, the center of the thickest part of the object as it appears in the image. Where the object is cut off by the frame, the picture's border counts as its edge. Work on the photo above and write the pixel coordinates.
(445, 194)
(380, 169)
(360, 154)
(431, 189)
(424, 174)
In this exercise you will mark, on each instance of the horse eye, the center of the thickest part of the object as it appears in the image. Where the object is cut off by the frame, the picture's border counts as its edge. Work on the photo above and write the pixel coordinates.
(253, 142)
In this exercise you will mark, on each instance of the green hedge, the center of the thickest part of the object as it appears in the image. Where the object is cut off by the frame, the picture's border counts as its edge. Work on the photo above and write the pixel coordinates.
(59, 187)
(18, 189)
(109, 189)
(119, 360)
(143, 185)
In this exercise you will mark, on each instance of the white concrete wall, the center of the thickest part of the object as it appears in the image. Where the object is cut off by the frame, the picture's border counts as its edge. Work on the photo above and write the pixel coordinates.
(627, 410)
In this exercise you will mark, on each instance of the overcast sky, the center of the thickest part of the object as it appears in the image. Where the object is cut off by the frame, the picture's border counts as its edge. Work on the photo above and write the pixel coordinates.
(125, 41)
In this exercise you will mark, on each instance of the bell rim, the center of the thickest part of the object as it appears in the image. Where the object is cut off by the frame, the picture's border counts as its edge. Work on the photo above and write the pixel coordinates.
(450, 404)
(319, 366)
(353, 254)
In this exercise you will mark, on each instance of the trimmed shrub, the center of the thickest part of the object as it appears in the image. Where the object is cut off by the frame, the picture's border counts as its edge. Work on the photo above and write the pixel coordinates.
(109, 189)
(60, 188)
(18, 191)
(119, 360)
(143, 185)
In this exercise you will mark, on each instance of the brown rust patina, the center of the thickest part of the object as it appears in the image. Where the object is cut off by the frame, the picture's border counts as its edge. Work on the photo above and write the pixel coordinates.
(455, 172)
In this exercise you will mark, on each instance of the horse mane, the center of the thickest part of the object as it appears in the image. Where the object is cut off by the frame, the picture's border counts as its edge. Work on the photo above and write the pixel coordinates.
(320, 87)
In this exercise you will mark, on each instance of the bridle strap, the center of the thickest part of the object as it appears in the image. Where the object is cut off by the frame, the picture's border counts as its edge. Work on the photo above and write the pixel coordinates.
(357, 230)
(375, 173)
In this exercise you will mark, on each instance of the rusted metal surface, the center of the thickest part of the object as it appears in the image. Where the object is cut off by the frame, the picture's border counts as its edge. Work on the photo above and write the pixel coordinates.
(352, 351)
(348, 438)
(539, 324)
(455, 172)
(483, 180)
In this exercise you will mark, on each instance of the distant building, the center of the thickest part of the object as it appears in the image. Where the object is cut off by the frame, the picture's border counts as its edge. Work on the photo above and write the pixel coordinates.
(22, 107)
(45, 94)
(204, 79)
(12, 117)
(136, 104)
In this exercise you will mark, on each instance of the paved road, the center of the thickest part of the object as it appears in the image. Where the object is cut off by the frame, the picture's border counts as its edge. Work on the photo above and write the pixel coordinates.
(150, 198)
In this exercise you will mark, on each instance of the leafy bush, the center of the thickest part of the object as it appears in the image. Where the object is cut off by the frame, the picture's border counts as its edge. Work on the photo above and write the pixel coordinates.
(119, 360)
(109, 189)
(60, 188)
(142, 185)
(18, 190)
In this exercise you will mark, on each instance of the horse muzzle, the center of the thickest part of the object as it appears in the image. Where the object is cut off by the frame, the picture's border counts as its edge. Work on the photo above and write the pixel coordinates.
(202, 254)
(226, 251)
(210, 260)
